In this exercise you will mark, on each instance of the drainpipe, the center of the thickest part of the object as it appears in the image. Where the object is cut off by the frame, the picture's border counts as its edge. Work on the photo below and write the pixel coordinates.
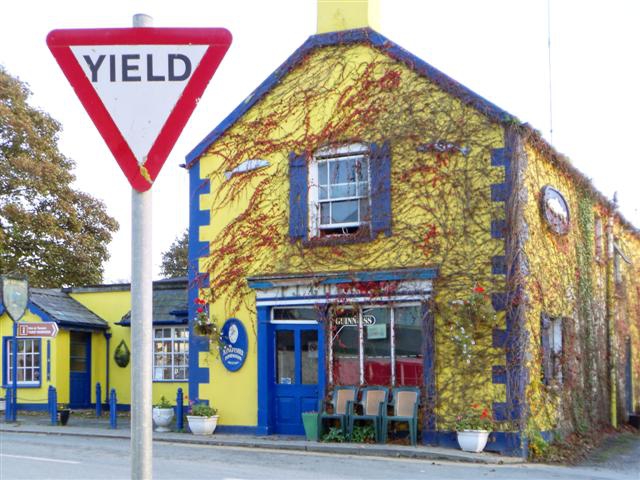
(611, 321)
(107, 335)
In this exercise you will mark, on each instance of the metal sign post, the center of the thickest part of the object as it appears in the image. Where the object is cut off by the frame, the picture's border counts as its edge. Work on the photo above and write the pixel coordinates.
(15, 298)
(139, 86)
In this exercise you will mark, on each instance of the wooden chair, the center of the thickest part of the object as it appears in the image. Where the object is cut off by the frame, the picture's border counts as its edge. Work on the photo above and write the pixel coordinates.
(372, 404)
(405, 404)
(339, 399)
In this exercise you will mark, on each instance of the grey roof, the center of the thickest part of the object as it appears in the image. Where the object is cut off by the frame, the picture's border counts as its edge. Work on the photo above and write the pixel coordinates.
(169, 302)
(64, 310)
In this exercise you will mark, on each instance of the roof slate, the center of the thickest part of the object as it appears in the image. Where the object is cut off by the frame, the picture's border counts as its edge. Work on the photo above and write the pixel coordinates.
(170, 301)
(64, 310)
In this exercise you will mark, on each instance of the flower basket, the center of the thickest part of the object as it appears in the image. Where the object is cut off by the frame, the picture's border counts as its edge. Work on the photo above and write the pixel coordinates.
(473, 427)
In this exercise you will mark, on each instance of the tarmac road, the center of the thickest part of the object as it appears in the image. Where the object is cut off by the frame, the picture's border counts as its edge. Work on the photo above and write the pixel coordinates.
(38, 456)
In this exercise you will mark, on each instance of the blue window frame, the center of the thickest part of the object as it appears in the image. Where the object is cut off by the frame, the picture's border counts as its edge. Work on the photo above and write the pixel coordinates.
(29, 362)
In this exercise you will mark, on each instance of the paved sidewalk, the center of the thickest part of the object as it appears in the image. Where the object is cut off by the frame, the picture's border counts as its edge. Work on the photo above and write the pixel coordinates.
(99, 427)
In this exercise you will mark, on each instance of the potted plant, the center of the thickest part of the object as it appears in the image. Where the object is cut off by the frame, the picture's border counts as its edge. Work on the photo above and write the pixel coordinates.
(203, 419)
(162, 415)
(473, 427)
(310, 423)
(63, 413)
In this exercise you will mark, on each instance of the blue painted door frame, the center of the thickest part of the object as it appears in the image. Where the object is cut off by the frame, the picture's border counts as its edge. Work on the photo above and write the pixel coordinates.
(280, 405)
(80, 370)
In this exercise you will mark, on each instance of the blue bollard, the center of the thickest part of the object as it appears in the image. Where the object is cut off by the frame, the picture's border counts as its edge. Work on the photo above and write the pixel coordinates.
(179, 410)
(7, 408)
(98, 400)
(113, 407)
(53, 405)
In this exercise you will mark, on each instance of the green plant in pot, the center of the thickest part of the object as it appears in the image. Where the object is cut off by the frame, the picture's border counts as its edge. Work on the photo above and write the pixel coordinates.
(162, 415)
(203, 418)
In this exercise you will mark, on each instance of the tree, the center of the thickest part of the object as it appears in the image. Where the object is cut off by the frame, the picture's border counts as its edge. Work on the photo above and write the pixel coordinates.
(175, 260)
(50, 232)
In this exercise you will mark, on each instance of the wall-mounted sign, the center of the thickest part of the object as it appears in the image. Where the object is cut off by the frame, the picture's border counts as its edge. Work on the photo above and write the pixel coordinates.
(233, 352)
(555, 210)
(31, 329)
(14, 296)
(353, 321)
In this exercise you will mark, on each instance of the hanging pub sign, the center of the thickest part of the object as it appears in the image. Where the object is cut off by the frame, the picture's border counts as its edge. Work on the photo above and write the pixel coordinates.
(353, 321)
(555, 210)
(233, 351)
(15, 296)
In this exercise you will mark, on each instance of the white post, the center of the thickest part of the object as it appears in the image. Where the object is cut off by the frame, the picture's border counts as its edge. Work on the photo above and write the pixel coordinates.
(141, 324)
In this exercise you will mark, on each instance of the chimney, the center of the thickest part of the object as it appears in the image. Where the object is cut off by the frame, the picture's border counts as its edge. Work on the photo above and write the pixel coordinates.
(336, 15)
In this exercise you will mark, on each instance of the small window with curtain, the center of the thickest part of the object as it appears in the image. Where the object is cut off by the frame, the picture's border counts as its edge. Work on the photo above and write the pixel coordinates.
(598, 238)
(551, 346)
(29, 361)
(171, 354)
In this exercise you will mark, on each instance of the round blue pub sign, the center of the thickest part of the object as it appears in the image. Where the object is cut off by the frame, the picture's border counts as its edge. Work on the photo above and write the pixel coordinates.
(233, 352)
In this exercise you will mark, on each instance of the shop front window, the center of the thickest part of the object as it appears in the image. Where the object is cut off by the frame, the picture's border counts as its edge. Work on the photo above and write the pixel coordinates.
(377, 346)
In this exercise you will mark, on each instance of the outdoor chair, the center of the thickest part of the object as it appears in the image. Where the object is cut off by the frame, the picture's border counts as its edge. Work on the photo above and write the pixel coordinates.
(372, 404)
(339, 398)
(405, 403)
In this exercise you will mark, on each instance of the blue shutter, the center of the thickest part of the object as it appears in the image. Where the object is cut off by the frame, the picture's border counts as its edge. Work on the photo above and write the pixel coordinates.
(545, 340)
(380, 169)
(298, 199)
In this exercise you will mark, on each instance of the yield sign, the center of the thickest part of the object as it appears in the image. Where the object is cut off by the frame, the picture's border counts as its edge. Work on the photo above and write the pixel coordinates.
(139, 86)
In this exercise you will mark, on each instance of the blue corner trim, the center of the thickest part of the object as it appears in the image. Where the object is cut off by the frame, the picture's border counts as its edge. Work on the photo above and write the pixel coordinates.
(499, 338)
(366, 36)
(429, 349)
(498, 228)
(48, 360)
(499, 157)
(499, 374)
(499, 192)
(498, 265)
(197, 249)
(499, 301)
(237, 429)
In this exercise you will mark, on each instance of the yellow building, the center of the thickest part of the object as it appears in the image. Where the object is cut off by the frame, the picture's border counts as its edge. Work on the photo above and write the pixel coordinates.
(93, 345)
(364, 219)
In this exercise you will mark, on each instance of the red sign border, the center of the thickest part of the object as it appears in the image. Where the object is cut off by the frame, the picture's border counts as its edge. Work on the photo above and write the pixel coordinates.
(60, 43)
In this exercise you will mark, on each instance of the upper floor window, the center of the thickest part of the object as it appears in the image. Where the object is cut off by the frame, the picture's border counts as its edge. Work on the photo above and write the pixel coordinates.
(339, 190)
(599, 236)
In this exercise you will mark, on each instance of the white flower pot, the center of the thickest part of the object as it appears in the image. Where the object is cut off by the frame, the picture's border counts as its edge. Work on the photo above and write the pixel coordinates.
(472, 440)
(202, 425)
(162, 418)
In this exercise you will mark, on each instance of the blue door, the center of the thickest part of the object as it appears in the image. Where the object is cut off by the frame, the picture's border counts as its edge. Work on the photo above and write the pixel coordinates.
(298, 373)
(80, 370)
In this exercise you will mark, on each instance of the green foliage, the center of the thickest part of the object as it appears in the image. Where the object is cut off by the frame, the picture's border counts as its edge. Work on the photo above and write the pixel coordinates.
(475, 417)
(201, 409)
(363, 434)
(334, 435)
(176, 260)
(163, 403)
(49, 231)
(538, 446)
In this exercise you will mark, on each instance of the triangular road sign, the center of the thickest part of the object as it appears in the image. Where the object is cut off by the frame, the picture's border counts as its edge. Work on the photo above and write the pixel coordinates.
(139, 86)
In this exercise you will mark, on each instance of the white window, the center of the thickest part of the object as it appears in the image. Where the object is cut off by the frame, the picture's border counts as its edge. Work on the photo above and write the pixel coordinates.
(28, 362)
(339, 190)
(170, 353)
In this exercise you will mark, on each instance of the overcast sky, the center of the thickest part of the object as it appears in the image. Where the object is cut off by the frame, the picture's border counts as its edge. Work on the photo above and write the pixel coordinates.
(498, 48)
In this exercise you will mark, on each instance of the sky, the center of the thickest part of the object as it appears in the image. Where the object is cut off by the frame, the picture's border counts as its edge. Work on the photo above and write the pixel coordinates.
(497, 48)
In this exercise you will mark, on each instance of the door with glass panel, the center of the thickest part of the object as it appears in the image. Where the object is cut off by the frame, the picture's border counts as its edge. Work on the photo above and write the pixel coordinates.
(80, 370)
(297, 369)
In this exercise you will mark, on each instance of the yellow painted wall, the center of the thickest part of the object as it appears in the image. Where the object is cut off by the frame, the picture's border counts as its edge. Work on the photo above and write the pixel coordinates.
(567, 280)
(341, 94)
(112, 306)
(59, 373)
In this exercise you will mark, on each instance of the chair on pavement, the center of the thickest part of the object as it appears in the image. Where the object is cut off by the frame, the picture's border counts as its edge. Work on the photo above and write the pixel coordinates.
(339, 398)
(405, 404)
(371, 405)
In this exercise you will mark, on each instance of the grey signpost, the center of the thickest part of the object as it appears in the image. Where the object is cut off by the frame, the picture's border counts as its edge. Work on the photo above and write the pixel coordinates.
(139, 86)
(15, 298)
